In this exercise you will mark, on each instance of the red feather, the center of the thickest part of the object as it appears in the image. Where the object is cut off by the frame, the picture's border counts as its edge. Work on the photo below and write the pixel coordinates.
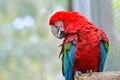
(85, 36)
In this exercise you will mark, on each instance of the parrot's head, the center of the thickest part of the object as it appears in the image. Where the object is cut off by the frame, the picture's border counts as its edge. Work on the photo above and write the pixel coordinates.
(59, 23)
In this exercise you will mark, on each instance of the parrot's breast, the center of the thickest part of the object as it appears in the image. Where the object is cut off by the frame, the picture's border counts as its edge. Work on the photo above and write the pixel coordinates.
(87, 52)
(87, 56)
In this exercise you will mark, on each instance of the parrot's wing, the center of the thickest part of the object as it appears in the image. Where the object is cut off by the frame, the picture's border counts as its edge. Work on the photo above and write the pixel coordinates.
(68, 57)
(104, 49)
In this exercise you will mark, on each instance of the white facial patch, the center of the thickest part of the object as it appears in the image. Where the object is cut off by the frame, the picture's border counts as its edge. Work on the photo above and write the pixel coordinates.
(58, 29)
(60, 25)
(54, 30)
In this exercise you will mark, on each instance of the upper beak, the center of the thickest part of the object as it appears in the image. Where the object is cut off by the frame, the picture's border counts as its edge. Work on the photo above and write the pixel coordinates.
(60, 34)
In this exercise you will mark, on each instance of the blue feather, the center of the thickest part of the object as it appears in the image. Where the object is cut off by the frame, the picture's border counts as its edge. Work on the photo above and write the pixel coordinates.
(68, 63)
(103, 57)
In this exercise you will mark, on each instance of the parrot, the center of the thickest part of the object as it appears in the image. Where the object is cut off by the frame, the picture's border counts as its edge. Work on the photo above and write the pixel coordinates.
(85, 46)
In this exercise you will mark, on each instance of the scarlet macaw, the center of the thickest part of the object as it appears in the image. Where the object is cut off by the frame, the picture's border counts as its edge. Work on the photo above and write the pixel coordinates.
(85, 46)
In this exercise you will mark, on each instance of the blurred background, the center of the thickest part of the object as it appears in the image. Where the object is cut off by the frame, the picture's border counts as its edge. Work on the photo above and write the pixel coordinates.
(28, 50)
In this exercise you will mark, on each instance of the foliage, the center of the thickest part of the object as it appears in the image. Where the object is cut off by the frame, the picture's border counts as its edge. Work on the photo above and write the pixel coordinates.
(26, 44)
(116, 9)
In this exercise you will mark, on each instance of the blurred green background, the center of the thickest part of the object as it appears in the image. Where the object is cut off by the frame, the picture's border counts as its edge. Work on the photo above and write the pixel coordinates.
(28, 50)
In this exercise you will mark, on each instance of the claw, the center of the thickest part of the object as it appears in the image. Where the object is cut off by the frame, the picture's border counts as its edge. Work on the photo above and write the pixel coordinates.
(78, 73)
(89, 71)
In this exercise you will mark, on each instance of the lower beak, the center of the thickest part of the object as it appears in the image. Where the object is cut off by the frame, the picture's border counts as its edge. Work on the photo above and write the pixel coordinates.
(61, 34)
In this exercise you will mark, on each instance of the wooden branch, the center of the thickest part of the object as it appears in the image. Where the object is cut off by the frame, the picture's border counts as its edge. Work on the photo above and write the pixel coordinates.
(115, 75)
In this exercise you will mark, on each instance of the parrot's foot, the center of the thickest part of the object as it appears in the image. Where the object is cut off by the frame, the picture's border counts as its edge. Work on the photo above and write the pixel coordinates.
(78, 73)
(89, 71)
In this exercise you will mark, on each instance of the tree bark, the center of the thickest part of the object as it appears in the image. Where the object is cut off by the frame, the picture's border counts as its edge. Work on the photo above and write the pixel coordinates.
(115, 75)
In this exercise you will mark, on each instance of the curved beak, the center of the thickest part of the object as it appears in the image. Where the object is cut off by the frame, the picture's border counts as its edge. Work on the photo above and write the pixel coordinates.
(57, 32)
(61, 34)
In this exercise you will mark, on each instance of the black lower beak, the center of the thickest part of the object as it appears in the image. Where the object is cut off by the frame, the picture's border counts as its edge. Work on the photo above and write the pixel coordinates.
(62, 34)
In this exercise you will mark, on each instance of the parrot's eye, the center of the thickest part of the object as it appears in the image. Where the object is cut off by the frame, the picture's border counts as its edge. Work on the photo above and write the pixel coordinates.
(59, 24)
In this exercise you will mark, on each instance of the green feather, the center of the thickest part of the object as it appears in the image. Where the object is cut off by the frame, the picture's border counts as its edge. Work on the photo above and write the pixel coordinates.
(106, 45)
(67, 60)
(67, 48)
(65, 52)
